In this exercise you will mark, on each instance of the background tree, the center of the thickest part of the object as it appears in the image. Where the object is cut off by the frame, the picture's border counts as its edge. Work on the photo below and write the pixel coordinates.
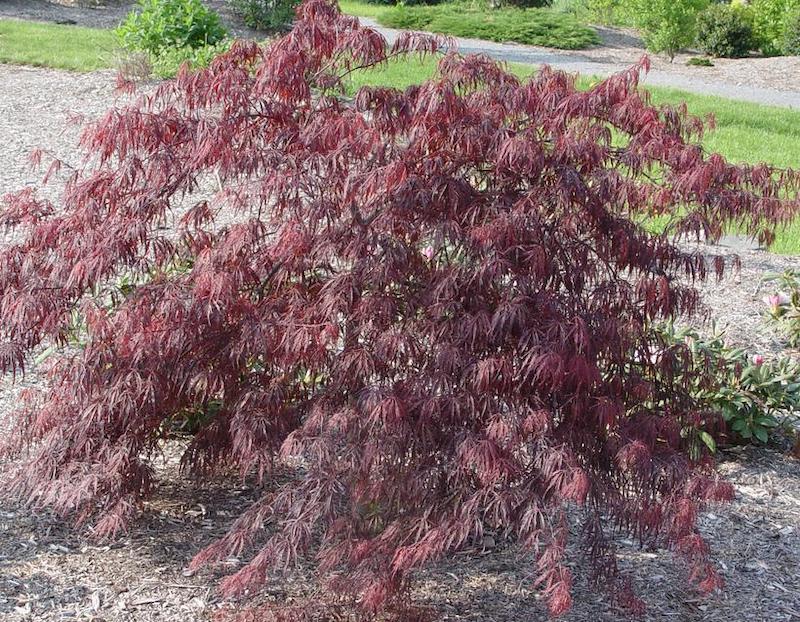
(667, 26)
(432, 309)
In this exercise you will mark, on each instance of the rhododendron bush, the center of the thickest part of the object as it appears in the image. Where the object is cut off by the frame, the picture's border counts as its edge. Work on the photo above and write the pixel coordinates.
(431, 311)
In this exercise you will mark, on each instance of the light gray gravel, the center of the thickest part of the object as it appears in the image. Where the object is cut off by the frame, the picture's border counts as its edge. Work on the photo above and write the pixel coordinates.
(34, 108)
(35, 105)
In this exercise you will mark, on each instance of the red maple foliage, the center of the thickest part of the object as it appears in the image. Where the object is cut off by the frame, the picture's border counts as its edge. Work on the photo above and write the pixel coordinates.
(434, 306)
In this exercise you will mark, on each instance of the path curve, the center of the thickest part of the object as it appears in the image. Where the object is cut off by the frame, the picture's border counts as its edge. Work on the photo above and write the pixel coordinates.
(575, 63)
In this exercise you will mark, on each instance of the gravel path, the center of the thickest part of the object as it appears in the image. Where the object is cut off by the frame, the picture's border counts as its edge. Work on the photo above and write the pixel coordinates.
(49, 573)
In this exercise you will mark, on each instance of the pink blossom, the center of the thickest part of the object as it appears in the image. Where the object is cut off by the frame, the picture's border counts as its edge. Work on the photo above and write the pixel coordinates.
(428, 252)
(777, 300)
(758, 360)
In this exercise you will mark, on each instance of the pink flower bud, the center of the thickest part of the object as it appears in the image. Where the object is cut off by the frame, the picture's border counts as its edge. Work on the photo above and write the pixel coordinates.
(777, 300)
(758, 360)
(428, 252)
(770, 301)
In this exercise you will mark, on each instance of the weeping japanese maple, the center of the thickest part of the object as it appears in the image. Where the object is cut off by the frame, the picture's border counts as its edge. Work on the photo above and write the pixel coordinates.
(433, 308)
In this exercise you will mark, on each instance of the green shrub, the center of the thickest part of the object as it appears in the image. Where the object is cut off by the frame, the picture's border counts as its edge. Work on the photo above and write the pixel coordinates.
(158, 24)
(667, 25)
(576, 8)
(401, 2)
(611, 12)
(166, 63)
(783, 305)
(770, 19)
(265, 14)
(791, 35)
(725, 31)
(755, 397)
(532, 26)
(603, 11)
(758, 397)
(699, 61)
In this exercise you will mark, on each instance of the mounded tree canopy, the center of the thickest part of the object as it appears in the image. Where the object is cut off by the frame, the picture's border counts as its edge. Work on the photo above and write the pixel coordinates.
(433, 308)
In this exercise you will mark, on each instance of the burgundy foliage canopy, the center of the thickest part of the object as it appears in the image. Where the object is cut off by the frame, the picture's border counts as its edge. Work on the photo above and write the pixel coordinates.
(433, 307)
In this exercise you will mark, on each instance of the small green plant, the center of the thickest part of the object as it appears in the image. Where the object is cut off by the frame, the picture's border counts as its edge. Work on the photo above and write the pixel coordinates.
(760, 396)
(724, 31)
(155, 25)
(167, 62)
(667, 25)
(783, 305)
(754, 396)
(700, 61)
(265, 14)
(161, 35)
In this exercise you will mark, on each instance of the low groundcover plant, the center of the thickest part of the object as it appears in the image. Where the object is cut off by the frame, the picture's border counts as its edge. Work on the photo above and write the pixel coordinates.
(431, 311)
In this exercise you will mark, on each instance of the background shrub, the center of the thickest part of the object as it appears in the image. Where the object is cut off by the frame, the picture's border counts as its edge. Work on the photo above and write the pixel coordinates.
(409, 2)
(725, 31)
(158, 24)
(770, 19)
(791, 34)
(531, 26)
(526, 4)
(667, 25)
(166, 63)
(429, 313)
(265, 14)
(576, 8)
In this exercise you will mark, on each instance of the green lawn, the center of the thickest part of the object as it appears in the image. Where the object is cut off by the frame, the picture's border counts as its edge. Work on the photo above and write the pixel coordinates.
(53, 45)
(537, 26)
(365, 9)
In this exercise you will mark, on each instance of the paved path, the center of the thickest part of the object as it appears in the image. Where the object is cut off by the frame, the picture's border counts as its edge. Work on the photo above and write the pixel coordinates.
(573, 63)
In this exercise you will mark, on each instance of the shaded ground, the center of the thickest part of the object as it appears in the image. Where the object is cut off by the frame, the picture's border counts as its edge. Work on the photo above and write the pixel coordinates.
(50, 573)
